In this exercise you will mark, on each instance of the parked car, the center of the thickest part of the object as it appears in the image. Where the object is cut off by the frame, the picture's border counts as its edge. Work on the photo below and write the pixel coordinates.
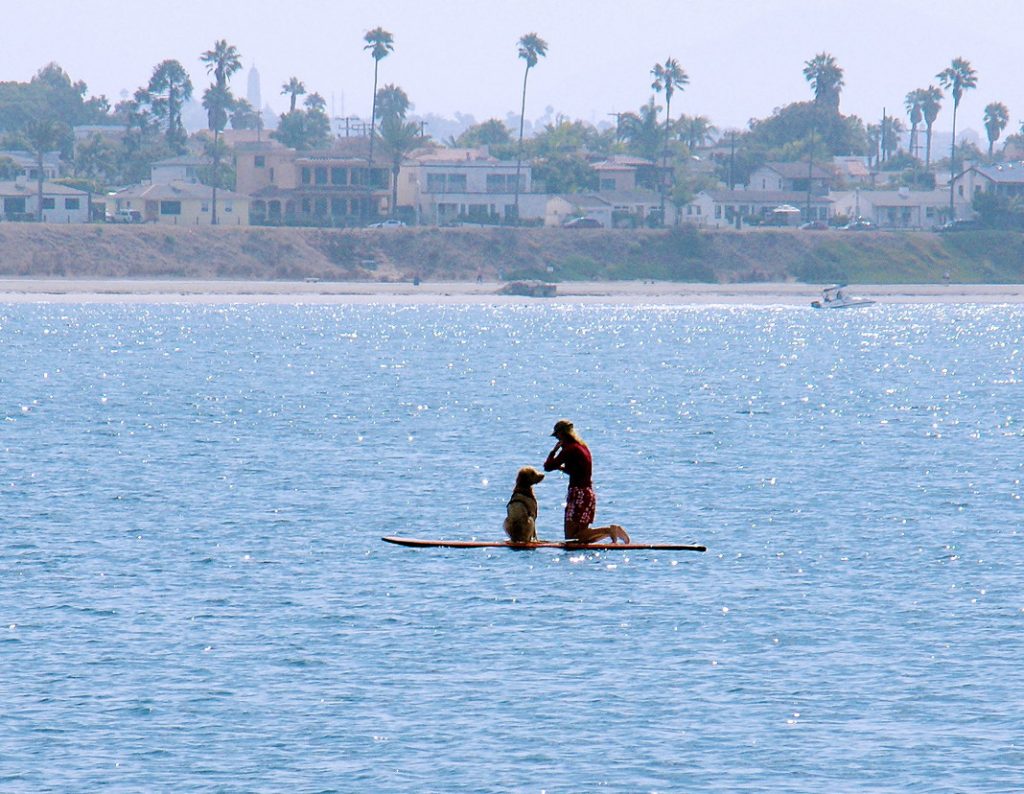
(818, 225)
(961, 225)
(582, 223)
(124, 216)
(390, 223)
(859, 225)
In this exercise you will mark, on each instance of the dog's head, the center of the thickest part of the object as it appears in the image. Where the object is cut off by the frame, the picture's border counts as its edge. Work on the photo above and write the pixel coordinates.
(528, 477)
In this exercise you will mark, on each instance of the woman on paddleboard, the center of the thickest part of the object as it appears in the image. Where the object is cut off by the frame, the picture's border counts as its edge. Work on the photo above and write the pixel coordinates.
(572, 455)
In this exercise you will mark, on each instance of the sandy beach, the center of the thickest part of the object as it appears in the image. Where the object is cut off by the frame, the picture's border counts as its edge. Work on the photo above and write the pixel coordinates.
(29, 290)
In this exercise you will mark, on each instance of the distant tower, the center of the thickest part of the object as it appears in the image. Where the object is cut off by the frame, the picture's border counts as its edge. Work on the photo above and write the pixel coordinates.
(252, 91)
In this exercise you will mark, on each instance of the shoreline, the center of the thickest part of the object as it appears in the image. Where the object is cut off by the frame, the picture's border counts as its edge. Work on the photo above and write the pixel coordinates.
(62, 290)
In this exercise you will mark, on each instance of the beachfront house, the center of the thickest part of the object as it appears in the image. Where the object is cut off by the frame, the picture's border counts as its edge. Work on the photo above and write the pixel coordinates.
(19, 201)
(894, 209)
(622, 209)
(624, 173)
(180, 204)
(329, 187)
(722, 208)
(446, 186)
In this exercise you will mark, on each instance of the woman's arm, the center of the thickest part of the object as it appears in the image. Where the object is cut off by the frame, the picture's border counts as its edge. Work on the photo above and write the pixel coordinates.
(554, 460)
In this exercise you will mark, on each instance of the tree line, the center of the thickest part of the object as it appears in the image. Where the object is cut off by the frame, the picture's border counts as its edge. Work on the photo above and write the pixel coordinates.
(38, 116)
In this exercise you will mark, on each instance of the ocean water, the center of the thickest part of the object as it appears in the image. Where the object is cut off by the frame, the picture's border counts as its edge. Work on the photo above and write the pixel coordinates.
(194, 596)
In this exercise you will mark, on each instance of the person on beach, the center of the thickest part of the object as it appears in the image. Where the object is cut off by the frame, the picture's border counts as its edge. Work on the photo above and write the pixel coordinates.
(571, 455)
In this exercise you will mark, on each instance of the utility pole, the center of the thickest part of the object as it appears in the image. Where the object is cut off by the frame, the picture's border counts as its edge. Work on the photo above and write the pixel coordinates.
(732, 160)
(618, 125)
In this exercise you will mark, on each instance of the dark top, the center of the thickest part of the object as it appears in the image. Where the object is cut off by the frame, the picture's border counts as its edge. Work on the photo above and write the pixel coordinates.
(574, 459)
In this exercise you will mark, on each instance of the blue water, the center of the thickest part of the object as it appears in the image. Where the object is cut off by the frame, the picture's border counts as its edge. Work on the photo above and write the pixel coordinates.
(194, 596)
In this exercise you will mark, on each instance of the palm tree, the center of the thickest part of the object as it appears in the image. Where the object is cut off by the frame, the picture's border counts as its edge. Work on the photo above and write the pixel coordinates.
(668, 78)
(825, 77)
(912, 102)
(956, 78)
(295, 87)
(379, 42)
(696, 131)
(392, 101)
(398, 137)
(996, 117)
(642, 130)
(931, 104)
(42, 136)
(222, 61)
(531, 49)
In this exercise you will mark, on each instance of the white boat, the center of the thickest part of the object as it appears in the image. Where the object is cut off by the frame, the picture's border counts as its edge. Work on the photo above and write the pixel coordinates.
(837, 298)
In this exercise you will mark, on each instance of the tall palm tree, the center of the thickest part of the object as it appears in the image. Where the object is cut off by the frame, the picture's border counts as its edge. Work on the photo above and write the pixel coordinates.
(42, 136)
(912, 102)
(997, 115)
(956, 78)
(380, 43)
(294, 87)
(531, 49)
(931, 104)
(826, 79)
(222, 61)
(668, 77)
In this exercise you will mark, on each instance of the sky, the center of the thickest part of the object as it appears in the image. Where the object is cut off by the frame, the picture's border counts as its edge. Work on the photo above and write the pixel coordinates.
(743, 57)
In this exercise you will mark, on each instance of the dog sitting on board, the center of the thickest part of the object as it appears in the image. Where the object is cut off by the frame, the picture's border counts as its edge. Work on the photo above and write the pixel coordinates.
(521, 519)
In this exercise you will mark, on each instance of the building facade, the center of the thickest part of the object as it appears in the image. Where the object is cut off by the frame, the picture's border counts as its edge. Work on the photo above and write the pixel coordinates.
(19, 201)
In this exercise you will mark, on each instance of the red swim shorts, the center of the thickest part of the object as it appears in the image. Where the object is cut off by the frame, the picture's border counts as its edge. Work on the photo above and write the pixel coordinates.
(580, 506)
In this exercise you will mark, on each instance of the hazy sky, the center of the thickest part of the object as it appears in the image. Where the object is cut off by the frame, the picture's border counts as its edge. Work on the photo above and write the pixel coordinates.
(743, 57)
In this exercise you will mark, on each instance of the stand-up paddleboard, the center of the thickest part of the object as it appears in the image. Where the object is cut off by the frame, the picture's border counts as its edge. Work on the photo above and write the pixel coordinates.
(542, 544)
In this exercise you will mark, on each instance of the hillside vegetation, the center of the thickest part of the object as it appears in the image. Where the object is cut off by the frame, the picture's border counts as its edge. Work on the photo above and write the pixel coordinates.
(91, 251)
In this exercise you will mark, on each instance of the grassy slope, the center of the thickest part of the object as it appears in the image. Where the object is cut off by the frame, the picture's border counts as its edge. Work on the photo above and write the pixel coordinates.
(554, 254)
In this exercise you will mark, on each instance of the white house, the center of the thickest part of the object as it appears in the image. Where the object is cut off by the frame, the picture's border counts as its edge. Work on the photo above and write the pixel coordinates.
(895, 209)
(791, 177)
(721, 208)
(450, 185)
(1000, 179)
(612, 209)
(19, 201)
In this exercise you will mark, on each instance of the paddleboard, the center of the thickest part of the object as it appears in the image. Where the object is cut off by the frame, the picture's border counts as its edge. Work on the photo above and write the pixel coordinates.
(543, 544)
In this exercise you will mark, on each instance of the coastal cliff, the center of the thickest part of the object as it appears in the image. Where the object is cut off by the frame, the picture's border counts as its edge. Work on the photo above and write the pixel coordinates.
(685, 254)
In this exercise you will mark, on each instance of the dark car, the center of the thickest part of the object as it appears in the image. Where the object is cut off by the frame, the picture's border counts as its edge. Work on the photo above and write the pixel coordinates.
(859, 225)
(582, 223)
(960, 225)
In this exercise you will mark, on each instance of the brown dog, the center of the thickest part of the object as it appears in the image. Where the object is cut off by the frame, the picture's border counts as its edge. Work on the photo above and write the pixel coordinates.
(521, 521)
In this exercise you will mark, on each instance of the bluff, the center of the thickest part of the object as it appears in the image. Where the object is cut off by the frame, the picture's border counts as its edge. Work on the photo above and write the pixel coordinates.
(454, 254)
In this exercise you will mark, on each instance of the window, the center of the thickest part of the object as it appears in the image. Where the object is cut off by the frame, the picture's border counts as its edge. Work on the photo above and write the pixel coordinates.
(305, 176)
(271, 174)
(320, 174)
(14, 206)
(72, 203)
(49, 204)
(457, 182)
(718, 210)
(435, 183)
(205, 207)
(260, 161)
(170, 208)
(339, 176)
